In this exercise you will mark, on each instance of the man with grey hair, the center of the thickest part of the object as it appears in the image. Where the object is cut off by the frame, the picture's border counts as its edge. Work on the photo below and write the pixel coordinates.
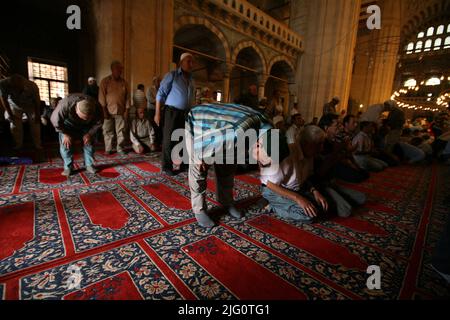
(176, 92)
(114, 97)
(287, 185)
(19, 95)
(77, 116)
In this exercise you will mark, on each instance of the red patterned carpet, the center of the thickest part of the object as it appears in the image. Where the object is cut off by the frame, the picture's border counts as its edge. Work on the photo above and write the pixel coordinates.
(131, 233)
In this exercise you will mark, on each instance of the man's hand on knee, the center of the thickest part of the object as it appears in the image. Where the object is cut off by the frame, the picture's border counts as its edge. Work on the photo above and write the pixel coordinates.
(67, 141)
(87, 139)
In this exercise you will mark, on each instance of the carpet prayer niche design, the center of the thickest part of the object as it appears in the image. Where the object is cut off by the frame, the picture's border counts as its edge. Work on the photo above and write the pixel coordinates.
(129, 233)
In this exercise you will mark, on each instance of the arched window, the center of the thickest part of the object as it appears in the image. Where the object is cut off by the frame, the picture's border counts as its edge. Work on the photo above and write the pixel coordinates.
(430, 31)
(440, 29)
(410, 48)
(448, 28)
(437, 43)
(434, 81)
(447, 43)
(428, 44)
(421, 35)
(419, 45)
(410, 83)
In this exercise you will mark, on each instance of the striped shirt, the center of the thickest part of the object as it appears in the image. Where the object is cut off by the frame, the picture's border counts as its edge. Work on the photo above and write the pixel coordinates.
(216, 127)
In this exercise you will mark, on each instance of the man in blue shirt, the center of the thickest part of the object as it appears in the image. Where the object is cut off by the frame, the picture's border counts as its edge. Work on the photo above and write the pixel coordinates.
(176, 92)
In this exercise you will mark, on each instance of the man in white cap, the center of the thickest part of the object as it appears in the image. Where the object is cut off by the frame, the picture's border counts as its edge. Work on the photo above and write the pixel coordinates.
(330, 107)
(19, 95)
(77, 116)
(91, 89)
(293, 133)
(176, 92)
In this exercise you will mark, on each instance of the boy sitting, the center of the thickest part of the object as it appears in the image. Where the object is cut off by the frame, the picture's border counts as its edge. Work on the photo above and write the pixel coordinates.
(142, 134)
(286, 183)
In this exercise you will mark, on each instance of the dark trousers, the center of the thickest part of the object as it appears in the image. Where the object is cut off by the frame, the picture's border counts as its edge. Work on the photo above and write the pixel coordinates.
(173, 119)
(158, 129)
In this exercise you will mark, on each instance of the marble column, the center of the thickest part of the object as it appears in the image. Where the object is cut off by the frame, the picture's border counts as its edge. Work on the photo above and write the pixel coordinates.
(325, 68)
(376, 57)
(127, 30)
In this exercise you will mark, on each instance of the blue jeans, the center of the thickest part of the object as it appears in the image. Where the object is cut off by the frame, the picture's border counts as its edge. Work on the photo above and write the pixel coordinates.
(411, 153)
(67, 154)
(284, 207)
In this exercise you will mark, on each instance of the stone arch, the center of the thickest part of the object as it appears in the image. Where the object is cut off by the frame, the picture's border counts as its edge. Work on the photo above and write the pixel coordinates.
(433, 12)
(192, 20)
(249, 44)
(278, 59)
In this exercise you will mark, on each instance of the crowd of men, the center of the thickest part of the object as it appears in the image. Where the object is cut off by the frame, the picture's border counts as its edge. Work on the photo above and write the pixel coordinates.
(298, 183)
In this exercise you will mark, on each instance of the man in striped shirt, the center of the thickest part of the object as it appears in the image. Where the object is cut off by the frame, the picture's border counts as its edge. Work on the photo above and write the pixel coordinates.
(213, 133)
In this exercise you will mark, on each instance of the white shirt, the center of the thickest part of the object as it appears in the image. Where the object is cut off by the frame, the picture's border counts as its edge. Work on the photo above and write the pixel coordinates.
(291, 173)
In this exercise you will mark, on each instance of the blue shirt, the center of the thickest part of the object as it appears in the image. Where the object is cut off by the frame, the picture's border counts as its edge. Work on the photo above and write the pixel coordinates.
(176, 91)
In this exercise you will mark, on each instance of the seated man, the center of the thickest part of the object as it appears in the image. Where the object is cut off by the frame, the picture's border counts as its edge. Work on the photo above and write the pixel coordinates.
(211, 131)
(333, 153)
(294, 130)
(77, 116)
(364, 149)
(142, 134)
(409, 153)
(286, 182)
(346, 168)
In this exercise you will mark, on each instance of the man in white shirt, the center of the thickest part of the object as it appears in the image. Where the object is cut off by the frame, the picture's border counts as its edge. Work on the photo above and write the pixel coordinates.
(364, 148)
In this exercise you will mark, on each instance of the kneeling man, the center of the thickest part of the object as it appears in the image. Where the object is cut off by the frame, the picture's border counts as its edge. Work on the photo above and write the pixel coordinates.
(77, 117)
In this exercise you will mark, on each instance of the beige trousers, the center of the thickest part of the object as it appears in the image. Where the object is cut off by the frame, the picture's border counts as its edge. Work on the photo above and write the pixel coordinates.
(114, 127)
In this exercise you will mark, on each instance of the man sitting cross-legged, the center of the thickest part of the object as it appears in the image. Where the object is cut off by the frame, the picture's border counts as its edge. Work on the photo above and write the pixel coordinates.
(142, 134)
(340, 199)
(77, 117)
(286, 182)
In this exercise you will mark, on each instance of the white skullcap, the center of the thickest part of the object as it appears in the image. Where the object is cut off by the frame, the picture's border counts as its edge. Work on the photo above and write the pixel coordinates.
(91, 79)
(185, 55)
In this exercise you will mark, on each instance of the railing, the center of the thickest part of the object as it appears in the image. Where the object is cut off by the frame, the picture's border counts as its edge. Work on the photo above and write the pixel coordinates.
(261, 20)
